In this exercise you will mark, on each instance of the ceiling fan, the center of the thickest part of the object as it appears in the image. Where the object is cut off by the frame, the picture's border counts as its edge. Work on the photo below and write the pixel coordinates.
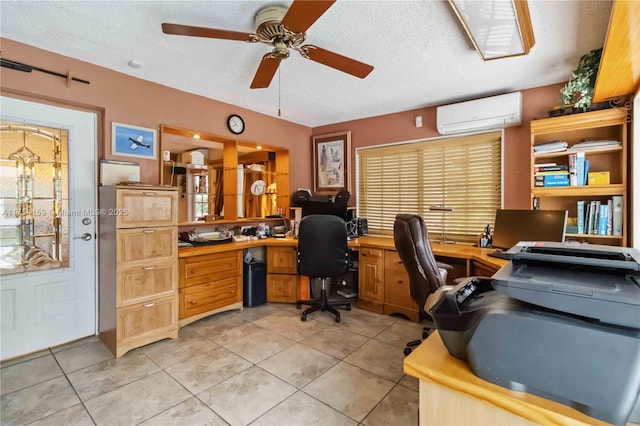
(283, 29)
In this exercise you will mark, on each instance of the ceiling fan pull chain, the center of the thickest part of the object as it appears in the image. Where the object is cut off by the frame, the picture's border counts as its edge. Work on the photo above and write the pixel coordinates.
(279, 91)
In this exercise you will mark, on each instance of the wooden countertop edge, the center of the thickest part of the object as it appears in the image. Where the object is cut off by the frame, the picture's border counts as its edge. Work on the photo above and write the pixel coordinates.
(459, 251)
(431, 361)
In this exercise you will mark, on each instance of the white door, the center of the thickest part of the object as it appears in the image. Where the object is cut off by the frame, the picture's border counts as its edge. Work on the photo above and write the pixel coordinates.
(47, 227)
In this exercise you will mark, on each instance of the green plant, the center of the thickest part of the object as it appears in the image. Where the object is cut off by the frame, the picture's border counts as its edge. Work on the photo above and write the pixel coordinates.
(579, 89)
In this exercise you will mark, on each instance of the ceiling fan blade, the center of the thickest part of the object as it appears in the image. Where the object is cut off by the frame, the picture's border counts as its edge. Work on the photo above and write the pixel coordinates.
(187, 30)
(303, 13)
(266, 71)
(337, 61)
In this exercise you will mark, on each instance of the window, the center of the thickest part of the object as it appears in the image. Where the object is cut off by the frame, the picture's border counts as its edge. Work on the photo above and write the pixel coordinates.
(428, 178)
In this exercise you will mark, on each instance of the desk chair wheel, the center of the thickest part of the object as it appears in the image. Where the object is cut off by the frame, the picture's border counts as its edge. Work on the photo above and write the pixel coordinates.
(348, 307)
(338, 318)
(298, 305)
(303, 317)
(407, 351)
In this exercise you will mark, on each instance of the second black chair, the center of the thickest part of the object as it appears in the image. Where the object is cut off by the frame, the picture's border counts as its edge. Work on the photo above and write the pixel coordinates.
(322, 254)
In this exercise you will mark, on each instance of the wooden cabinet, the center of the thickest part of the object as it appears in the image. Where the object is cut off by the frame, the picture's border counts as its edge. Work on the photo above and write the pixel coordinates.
(138, 266)
(397, 291)
(608, 124)
(479, 269)
(283, 284)
(209, 283)
(371, 279)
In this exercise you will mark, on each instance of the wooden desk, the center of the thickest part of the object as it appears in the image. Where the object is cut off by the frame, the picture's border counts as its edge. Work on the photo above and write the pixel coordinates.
(459, 251)
(450, 394)
(210, 277)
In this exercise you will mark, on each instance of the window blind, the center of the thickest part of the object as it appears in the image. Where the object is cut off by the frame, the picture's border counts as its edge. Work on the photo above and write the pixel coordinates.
(461, 173)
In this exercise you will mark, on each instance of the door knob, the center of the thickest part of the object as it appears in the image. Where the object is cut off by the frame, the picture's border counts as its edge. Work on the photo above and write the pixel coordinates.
(86, 236)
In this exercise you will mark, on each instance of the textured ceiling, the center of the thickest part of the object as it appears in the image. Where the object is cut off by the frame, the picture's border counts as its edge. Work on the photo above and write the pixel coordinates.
(420, 53)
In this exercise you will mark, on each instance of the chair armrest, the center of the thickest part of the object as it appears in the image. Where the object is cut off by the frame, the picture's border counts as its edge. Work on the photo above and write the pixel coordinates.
(442, 265)
(435, 296)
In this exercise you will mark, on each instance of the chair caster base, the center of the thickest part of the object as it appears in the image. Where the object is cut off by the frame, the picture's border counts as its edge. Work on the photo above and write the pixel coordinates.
(407, 351)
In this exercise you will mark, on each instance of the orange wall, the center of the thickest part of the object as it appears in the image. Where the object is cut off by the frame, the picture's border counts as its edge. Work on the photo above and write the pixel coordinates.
(126, 99)
(400, 127)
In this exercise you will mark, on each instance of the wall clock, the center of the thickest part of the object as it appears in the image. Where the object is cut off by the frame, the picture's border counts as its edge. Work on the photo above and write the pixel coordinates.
(235, 123)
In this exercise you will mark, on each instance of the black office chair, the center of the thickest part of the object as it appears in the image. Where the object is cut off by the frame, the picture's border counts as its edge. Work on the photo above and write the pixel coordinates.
(323, 254)
(427, 277)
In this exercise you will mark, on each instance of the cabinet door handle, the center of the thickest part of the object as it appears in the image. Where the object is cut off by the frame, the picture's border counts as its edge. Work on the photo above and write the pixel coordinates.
(193, 302)
(150, 194)
(149, 268)
(148, 305)
(192, 271)
(148, 231)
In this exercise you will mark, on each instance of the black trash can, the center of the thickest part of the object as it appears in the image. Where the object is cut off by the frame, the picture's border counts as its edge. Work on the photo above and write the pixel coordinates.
(254, 283)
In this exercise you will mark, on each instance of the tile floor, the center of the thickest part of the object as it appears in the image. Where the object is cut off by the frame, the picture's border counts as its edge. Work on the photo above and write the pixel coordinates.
(258, 366)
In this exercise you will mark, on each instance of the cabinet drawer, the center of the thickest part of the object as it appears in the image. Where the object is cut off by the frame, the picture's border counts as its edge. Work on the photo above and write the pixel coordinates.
(282, 260)
(397, 290)
(282, 288)
(140, 283)
(206, 297)
(393, 264)
(138, 208)
(210, 267)
(145, 319)
(371, 252)
(148, 244)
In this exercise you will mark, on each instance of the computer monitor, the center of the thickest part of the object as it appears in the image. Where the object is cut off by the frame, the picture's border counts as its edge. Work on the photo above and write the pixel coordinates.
(324, 207)
(512, 226)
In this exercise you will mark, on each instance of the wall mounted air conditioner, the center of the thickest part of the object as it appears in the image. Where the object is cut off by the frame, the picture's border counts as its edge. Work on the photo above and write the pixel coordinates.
(494, 112)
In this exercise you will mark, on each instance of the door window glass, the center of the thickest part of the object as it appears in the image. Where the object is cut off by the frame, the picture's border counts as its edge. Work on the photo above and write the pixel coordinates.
(34, 198)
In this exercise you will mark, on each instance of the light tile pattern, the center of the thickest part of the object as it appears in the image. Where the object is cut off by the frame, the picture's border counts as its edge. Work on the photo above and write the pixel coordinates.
(258, 366)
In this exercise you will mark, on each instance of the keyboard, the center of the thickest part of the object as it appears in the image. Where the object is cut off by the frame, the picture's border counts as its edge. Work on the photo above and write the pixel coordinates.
(500, 254)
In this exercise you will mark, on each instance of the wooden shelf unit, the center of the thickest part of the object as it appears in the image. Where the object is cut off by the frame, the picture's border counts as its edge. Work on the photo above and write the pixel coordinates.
(609, 124)
(138, 290)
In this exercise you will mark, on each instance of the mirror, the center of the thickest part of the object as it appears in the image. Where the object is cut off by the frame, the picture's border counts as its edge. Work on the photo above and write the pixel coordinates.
(220, 178)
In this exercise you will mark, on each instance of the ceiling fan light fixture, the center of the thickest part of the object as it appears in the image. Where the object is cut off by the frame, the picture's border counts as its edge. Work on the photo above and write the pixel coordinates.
(497, 28)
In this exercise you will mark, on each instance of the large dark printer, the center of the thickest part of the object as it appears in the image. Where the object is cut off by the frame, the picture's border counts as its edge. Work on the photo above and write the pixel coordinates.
(561, 321)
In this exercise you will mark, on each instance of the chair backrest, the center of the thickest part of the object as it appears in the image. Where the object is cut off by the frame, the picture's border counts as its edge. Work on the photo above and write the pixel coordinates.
(322, 246)
(412, 244)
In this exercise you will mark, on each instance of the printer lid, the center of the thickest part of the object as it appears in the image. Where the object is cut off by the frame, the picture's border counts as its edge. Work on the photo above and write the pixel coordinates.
(594, 281)
(587, 255)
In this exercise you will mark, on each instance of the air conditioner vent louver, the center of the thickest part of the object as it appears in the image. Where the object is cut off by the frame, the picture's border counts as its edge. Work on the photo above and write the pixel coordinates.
(494, 112)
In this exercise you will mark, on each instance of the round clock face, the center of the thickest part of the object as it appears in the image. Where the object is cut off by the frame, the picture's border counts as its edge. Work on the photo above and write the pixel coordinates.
(235, 124)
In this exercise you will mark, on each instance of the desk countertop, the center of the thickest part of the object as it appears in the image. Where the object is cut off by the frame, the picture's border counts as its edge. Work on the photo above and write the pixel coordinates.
(431, 361)
(460, 251)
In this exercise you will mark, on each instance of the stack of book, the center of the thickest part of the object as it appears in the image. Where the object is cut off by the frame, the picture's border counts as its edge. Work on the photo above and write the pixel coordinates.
(600, 217)
(551, 146)
(551, 174)
(595, 144)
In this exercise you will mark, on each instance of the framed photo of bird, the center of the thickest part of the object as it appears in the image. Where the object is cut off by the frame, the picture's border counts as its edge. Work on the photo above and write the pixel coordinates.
(133, 141)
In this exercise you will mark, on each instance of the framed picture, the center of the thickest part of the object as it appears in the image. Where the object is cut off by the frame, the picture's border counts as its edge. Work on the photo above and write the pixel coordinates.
(331, 162)
(133, 141)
